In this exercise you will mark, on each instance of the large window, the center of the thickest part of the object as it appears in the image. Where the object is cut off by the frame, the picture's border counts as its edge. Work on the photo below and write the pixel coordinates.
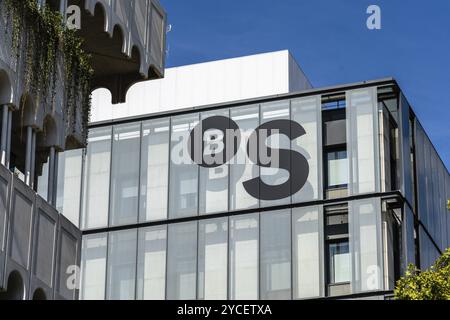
(154, 170)
(339, 270)
(96, 179)
(244, 238)
(182, 261)
(242, 169)
(214, 181)
(337, 169)
(183, 171)
(339, 266)
(212, 259)
(93, 267)
(125, 174)
(151, 277)
(275, 256)
(121, 265)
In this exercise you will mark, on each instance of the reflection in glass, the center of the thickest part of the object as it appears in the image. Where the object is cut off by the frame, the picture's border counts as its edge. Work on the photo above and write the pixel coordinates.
(306, 241)
(275, 268)
(339, 262)
(154, 170)
(121, 265)
(93, 267)
(96, 179)
(244, 257)
(69, 184)
(182, 261)
(125, 174)
(151, 278)
(212, 259)
(183, 171)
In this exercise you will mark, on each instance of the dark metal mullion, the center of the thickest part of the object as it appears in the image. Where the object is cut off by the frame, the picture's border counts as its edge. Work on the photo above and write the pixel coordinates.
(109, 212)
(138, 212)
(168, 206)
(326, 202)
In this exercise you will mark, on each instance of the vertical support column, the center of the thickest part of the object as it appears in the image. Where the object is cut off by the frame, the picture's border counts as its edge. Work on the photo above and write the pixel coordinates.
(51, 175)
(5, 133)
(28, 156)
(63, 9)
(8, 139)
(33, 160)
(55, 180)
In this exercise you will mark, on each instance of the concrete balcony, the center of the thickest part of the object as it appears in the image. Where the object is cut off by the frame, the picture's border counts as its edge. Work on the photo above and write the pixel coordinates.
(126, 40)
(38, 247)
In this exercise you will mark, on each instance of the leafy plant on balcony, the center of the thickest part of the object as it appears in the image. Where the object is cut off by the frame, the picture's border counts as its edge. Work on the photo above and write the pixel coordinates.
(432, 284)
(40, 41)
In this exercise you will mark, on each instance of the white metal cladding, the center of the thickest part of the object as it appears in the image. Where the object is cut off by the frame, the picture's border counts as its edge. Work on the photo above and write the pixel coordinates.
(204, 84)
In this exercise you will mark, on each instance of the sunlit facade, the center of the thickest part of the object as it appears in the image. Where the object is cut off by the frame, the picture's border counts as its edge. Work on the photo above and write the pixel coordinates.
(372, 200)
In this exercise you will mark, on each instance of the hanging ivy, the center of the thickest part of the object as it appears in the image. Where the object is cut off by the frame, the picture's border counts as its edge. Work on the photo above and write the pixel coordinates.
(40, 40)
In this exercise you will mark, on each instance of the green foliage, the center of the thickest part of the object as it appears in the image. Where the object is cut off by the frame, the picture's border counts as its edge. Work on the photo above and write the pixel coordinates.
(432, 284)
(40, 40)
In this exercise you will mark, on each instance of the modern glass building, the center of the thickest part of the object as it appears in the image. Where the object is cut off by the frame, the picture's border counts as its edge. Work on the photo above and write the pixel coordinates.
(358, 193)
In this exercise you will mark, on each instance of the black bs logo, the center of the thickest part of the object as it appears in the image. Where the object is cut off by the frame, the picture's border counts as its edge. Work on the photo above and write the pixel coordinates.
(227, 131)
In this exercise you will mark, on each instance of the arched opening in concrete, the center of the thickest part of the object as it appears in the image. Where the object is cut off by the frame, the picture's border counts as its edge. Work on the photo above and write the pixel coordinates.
(15, 288)
(39, 295)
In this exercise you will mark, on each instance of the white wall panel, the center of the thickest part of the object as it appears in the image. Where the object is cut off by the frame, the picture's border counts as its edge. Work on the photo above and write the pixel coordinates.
(206, 83)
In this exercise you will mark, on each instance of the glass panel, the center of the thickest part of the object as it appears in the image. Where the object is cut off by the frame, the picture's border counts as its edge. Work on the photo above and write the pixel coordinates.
(339, 262)
(241, 168)
(307, 252)
(183, 171)
(365, 245)
(212, 259)
(151, 281)
(155, 170)
(307, 112)
(244, 257)
(69, 184)
(274, 175)
(182, 261)
(337, 169)
(408, 237)
(96, 179)
(125, 174)
(406, 151)
(275, 256)
(362, 141)
(93, 267)
(214, 181)
(122, 265)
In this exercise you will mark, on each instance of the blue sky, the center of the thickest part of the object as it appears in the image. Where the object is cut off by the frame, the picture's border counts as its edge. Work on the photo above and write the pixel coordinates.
(332, 44)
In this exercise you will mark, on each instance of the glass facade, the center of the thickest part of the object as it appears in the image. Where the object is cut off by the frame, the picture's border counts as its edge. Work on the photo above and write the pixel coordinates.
(244, 228)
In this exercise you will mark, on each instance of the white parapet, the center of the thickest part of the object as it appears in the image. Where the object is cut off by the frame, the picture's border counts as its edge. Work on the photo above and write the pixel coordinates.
(205, 84)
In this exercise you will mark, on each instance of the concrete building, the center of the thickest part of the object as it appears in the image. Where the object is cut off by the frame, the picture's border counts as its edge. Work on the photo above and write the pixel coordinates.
(359, 191)
(40, 248)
